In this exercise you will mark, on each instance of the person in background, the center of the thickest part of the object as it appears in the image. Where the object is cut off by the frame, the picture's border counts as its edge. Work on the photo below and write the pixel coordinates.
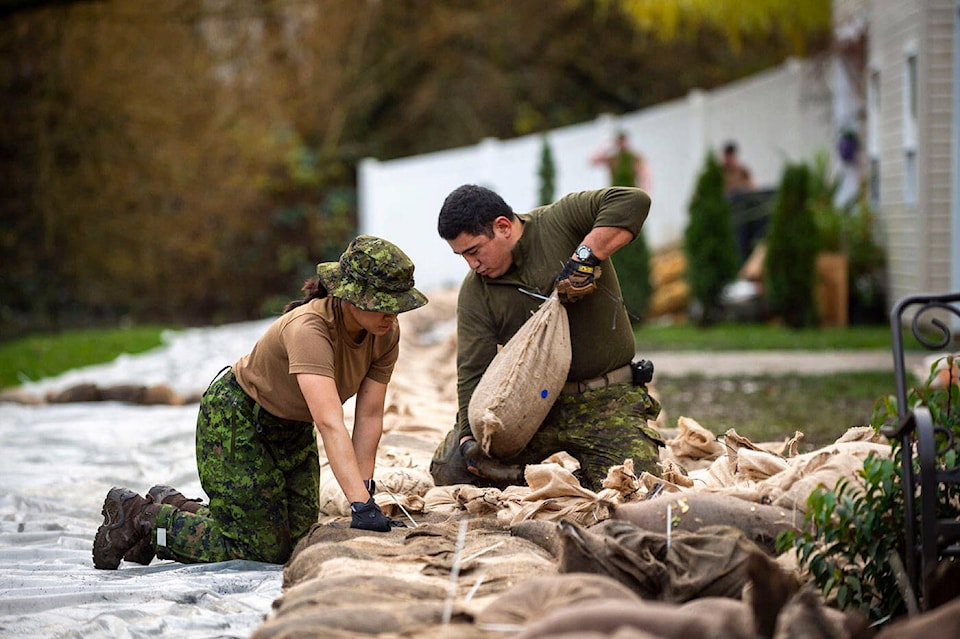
(736, 176)
(256, 446)
(601, 416)
(627, 167)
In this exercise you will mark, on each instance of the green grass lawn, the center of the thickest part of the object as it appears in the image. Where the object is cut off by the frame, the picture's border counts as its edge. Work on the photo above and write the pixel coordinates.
(39, 356)
(772, 408)
(651, 337)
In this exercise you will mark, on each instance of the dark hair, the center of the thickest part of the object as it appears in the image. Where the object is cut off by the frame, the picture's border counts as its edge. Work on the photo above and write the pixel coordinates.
(471, 209)
(312, 289)
(730, 148)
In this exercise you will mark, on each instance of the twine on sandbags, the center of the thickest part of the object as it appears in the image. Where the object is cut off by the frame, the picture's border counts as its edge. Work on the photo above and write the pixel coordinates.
(399, 488)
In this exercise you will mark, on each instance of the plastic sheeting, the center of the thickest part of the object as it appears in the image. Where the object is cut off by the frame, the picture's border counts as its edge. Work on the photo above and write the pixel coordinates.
(59, 461)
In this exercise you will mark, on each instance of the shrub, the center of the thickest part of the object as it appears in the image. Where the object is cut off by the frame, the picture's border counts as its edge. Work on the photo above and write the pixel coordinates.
(709, 242)
(852, 230)
(547, 173)
(624, 171)
(633, 269)
(792, 245)
(633, 260)
(867, 263)
(849, 535)
(852, 531)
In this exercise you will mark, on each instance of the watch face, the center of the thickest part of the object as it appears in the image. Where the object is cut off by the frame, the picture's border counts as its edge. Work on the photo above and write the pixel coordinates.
(584, 253)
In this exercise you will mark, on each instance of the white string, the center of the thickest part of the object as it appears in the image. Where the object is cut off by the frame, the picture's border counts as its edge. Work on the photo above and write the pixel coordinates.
(669, 524)
(454, 574)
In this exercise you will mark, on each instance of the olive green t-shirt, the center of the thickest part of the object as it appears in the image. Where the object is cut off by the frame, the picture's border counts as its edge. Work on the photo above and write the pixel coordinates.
(311, 339)
(491, 311)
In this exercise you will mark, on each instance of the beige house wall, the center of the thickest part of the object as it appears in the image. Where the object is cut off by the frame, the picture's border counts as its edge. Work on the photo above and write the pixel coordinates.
(917, 230)
(938, 141)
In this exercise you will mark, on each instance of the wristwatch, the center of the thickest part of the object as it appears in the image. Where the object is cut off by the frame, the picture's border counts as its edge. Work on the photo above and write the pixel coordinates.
(585, 255)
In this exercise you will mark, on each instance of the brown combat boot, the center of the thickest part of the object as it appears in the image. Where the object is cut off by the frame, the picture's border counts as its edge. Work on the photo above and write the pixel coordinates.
(142, 552)
(173, 497)
(127, 519)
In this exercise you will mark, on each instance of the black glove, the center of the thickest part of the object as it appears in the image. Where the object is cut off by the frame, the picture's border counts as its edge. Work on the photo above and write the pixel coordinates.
(368, 516)
(577, 280)
(482, 465)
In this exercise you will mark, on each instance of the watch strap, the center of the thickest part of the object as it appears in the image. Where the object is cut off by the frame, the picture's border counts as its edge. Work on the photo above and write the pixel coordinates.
(590, 259)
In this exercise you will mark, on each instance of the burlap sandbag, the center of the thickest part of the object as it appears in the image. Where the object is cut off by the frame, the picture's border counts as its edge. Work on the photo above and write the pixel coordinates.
(693, 447)
(693, 510)
(522, 382)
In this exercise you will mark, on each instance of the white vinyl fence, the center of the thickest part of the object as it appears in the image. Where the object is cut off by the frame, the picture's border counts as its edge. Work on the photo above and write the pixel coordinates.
(776, 116)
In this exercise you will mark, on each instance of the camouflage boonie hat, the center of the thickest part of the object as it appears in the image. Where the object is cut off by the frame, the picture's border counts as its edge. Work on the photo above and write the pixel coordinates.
(373, 275)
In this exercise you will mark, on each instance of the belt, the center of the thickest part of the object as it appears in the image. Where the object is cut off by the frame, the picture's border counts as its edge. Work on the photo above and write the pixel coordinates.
(620, 375)
(261, 415)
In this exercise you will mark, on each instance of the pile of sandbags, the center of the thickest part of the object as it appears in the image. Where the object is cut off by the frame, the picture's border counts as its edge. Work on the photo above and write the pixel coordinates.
(689, 553)
(671, 293)
(146, 395)
(770, 474)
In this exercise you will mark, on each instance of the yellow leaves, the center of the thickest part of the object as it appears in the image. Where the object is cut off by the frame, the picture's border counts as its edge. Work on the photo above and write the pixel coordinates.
(674, 19)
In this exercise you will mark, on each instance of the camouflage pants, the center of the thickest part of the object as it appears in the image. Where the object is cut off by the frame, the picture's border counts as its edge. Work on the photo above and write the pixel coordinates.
(600, 428)
(262, 476)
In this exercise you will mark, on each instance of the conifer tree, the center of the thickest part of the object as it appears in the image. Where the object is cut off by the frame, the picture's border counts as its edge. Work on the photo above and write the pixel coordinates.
(793, 242)
(633, 260)
(709, 242)
(547, 173)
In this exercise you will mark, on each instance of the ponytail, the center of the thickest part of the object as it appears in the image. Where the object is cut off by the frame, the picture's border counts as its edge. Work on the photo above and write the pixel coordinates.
(312, 289)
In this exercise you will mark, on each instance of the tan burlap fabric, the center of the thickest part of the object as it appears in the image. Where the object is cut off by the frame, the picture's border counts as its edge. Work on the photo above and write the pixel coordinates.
(522, 382)
(429, 581)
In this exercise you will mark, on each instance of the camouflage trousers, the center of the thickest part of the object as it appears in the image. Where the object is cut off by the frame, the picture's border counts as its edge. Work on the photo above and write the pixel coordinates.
(262, 476)
(600, 428)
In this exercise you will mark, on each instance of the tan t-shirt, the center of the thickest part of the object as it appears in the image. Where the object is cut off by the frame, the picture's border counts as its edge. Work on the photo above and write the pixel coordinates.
(311, 339)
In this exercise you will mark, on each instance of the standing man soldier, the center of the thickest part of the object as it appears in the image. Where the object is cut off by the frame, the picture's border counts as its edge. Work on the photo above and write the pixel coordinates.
(736, 176)
(601, 416)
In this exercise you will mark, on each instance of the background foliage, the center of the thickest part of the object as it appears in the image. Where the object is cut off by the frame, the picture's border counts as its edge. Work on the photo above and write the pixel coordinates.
(187, 160)
(709, 243)
(633, 260)
(547, 173)
(852, 530)
(850, 534)
(789, 273)
(851, 229)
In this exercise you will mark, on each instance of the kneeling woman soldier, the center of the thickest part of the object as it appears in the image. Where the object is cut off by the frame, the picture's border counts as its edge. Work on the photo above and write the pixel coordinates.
(256, 447)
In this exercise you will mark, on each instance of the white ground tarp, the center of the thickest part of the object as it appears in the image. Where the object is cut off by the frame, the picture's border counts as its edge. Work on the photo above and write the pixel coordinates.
(57, 461)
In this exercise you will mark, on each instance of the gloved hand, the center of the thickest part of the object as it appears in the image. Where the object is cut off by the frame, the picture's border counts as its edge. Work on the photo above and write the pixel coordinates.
(482, 465)
(577, 280)
(368, 516)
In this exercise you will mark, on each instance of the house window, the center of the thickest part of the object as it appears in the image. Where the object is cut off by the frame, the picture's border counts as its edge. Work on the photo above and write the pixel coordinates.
(910, 129)
(910, 176)
(873, 136)
(873, 113)
(911, 91)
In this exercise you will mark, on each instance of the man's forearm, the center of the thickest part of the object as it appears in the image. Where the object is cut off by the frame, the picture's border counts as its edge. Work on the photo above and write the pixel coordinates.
(604, 241)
